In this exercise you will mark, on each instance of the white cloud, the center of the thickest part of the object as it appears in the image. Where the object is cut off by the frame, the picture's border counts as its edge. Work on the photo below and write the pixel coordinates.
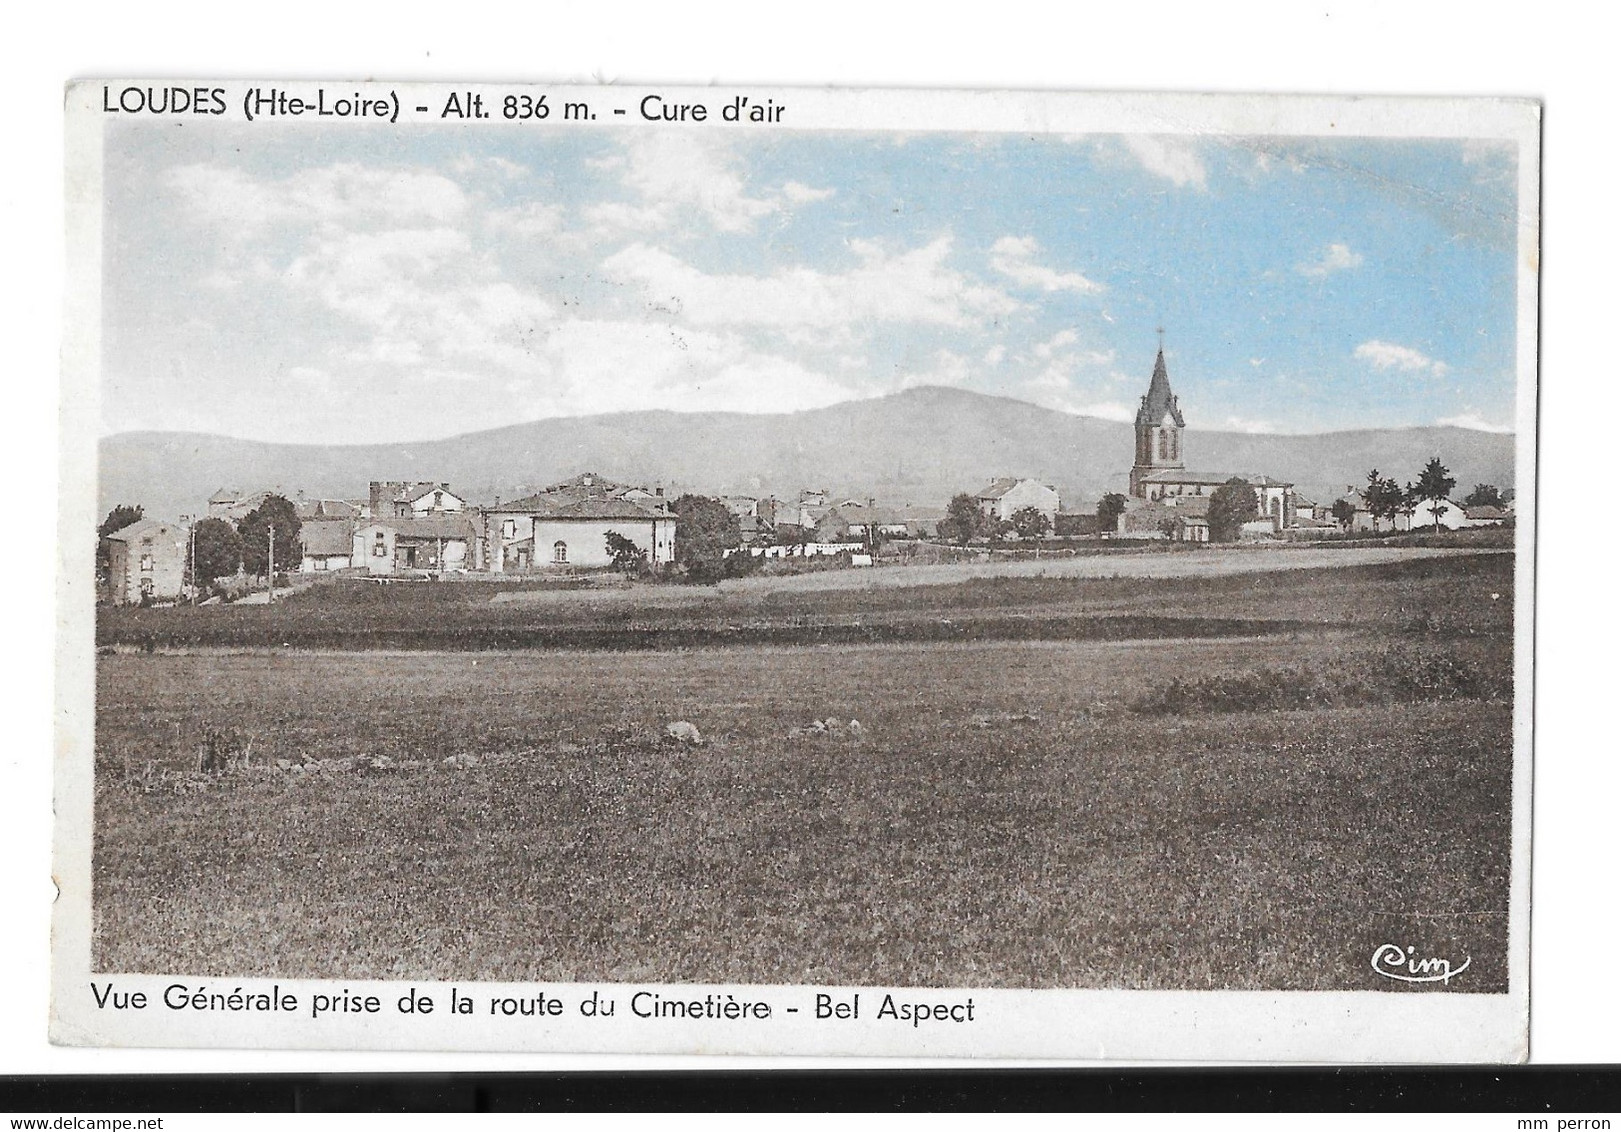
(795, 193)
(608, 365)
(422, 299)
(994, 356)
(1388, 355)
(1056, 343)
(677, 173)
(1336, 257)
(1240, 424)
(910, 286)
(1062, 346)
(1175, 159)
(343, 194)
(1107, 410)
(310, 375)
(1064, 377)
(1476, 422)
(534, 219)
(947, 368)
(1014, 257)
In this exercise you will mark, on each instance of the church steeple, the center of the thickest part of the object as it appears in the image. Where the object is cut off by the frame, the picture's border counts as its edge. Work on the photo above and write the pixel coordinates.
(1159, 428)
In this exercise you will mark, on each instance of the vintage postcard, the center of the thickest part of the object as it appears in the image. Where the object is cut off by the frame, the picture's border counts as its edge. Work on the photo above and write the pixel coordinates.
(801, 572)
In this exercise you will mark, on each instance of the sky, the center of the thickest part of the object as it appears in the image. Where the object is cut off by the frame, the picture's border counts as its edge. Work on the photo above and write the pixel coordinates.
(342, 286)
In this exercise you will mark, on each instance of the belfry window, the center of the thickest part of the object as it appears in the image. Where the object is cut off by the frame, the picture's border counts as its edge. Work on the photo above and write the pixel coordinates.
(1163, 445)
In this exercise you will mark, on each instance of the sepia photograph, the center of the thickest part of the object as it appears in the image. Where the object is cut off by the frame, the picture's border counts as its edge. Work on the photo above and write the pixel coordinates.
(692, 538)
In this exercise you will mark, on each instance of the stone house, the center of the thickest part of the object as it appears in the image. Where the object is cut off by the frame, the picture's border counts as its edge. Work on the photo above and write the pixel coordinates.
(1006, 495)
(567, 525)
(146, 561)
(328, 544)
(398, 499)
(435, 544)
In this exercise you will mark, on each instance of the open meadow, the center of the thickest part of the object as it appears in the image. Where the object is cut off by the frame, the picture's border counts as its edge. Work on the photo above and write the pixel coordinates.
(1235, 780)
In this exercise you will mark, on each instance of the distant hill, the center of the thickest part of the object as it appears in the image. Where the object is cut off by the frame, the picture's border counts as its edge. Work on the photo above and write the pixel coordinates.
(920, 446)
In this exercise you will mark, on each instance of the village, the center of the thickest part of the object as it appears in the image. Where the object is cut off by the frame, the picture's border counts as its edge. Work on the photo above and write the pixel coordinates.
(241, 544)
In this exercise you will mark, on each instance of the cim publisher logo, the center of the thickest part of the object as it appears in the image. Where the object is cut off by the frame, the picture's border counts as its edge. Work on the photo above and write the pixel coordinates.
(1396, 962)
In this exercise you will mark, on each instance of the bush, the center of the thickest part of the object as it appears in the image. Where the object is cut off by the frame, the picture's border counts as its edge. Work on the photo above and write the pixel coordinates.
(1393, 674)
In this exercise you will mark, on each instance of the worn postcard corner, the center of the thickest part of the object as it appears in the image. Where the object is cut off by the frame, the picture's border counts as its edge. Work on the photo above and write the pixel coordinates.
(811, 572)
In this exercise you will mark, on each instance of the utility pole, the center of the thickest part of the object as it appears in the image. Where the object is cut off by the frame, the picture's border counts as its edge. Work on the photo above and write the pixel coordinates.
(270, 564)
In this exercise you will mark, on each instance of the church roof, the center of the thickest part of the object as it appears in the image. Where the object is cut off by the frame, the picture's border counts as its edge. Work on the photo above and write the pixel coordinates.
(1216, 479)
(1159, 400)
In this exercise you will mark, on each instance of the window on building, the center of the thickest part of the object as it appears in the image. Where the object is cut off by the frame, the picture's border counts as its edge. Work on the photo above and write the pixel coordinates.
(379, 546)
(146, 563)
(1174, 442)
(1163, 454)
(509, 528)
(559, 551)
(147, 586)
(438, 500)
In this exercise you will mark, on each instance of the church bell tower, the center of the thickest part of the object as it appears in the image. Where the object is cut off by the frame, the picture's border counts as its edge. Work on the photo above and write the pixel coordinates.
(1159, 429)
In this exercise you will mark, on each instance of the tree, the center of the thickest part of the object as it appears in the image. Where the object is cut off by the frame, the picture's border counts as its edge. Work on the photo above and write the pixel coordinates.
(1435, 484)
(1110, 508)
(1231, 506)
(1383, 498)
(964, 521)
(1344, 512)
(1031, 522)
(117, 519)
(278, 512)
(792, 534)
(1484, 495)
(217, 550)
(627, 556)
(705, 529)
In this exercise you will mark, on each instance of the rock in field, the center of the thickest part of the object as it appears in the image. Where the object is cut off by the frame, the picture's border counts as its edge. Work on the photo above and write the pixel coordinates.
(684, 733)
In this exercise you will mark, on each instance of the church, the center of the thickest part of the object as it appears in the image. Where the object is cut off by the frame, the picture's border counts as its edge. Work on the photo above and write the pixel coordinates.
(1166, 500)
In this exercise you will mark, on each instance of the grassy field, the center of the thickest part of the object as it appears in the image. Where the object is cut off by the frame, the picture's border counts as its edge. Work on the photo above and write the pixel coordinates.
(1223, 593)
(1027, 812)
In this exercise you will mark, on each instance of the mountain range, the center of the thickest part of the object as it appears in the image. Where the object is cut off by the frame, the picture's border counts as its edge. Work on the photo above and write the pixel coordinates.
(919, 446)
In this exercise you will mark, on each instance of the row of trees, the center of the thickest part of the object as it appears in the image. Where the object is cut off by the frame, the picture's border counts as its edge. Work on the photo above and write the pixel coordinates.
(965, 521)
(1384, 498)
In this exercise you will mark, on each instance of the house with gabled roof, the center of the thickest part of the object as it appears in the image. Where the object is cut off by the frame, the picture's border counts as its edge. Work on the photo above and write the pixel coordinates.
(568, 524)
(146, 562)
(328, 544)
(232, 505)
(401, 499)
(311, 510)
(1004, 496)
(1486, 516)
(430, 544)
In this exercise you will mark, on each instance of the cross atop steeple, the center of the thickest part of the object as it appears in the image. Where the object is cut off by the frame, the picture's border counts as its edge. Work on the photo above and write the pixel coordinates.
(1160, 330)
